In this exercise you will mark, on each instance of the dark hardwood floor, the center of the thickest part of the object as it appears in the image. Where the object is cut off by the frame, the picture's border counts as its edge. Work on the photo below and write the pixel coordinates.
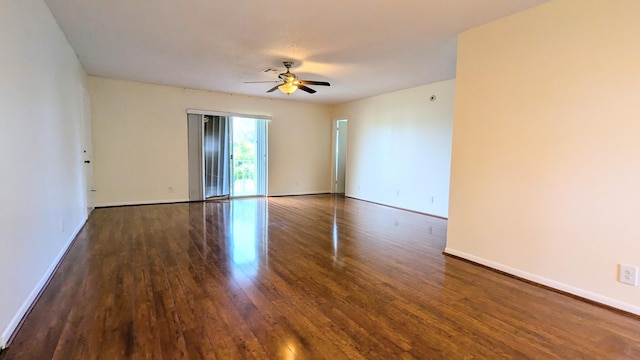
(305, 277)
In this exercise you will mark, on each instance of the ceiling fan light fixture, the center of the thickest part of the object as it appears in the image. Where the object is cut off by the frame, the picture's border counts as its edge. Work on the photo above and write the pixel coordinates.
(288, 88)
(289, 83)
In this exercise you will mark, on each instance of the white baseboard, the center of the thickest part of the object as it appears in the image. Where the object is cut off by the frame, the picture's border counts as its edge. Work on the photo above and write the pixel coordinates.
(548, 282)
(398, 207)
(302, 193)
(33, 296)
(152, 202)
(140, 202)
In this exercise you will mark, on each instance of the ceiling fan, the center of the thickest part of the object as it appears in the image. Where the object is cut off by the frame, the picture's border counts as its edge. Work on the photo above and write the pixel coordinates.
(288, 82)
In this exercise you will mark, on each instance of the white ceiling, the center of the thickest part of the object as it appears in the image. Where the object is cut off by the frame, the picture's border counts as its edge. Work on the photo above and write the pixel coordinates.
(362, 47)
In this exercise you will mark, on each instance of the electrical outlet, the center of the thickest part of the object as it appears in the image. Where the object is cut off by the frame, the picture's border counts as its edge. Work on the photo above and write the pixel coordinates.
(628, 275)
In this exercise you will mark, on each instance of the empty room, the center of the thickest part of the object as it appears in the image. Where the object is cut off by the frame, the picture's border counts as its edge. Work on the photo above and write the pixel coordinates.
(320, 180)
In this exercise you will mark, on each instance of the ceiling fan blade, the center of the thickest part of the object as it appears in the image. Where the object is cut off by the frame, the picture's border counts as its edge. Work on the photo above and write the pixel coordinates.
(311, 82)
(259, 82)
(307, 89)
(273, 88)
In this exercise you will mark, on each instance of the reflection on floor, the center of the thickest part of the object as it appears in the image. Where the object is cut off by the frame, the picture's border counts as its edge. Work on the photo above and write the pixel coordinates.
(305, 277)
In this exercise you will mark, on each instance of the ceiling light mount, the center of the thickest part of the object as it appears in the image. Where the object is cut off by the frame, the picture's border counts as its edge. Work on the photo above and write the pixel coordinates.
(287, 64)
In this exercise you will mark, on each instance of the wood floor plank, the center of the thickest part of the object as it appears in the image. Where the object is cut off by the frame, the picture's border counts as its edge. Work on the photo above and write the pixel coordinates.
(304, 277)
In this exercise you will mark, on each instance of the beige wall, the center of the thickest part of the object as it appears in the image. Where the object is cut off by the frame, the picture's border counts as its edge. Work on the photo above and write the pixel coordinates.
(545, 179)
(399, 147)
(41, 120)
(140, 140)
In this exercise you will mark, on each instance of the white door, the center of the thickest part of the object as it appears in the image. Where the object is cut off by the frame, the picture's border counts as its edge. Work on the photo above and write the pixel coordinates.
(87, 153)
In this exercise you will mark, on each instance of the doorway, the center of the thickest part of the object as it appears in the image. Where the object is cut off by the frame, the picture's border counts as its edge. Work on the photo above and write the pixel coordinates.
(227, 155)
(87, 153)
(340, 156)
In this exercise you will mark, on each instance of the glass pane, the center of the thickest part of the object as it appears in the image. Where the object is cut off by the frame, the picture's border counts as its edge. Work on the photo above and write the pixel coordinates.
(248, 141)
(216, 156)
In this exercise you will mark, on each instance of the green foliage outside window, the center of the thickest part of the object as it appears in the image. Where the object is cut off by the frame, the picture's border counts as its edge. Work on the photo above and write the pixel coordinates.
(244, 149)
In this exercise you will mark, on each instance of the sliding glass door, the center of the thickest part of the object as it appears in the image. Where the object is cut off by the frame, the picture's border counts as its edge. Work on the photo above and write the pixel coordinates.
(227, 156)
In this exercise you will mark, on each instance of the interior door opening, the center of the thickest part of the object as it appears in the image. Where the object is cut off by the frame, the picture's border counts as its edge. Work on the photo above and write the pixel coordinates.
(340, 156)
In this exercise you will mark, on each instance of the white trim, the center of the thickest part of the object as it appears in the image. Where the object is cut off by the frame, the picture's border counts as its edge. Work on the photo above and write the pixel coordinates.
(33, 296)
(266, 157)
(140, 202)
(548, 282)
(230, 114)
(397, 207)
(302, 193)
